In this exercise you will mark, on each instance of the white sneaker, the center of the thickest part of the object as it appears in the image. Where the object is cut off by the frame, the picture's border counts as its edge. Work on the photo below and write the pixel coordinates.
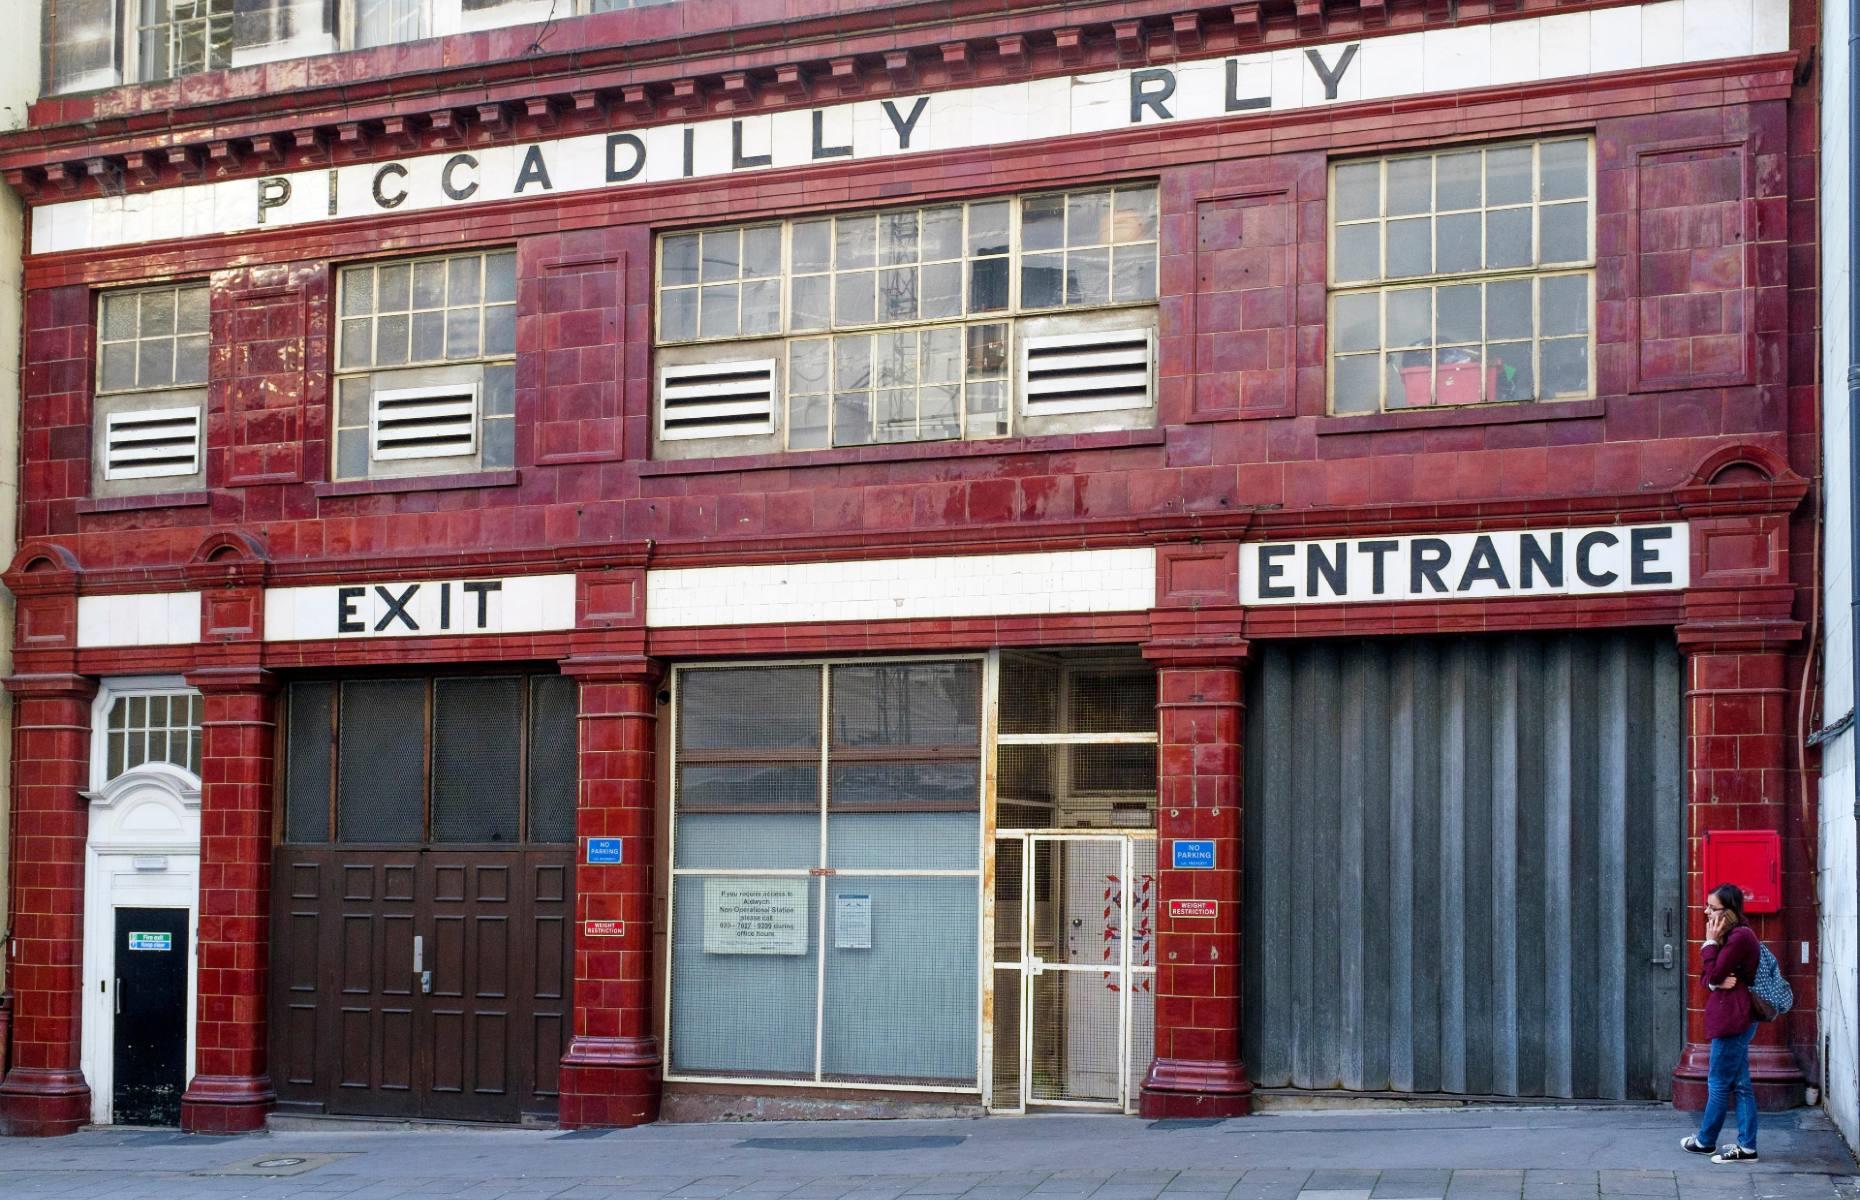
(1735, 1153)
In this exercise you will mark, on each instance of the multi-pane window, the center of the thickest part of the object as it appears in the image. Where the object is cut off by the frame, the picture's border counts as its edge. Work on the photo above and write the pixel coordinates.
(901, 325)
(183, 37)
(1463, 277)
(145, 727)
(425, 356)
(151, 388)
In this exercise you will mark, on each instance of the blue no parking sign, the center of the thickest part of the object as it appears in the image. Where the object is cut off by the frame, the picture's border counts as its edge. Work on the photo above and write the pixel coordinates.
(604, 850)
(1193, 856)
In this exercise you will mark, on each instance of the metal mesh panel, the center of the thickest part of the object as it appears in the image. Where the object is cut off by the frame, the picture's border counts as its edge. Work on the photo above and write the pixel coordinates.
(737, 1010)
(477, 793)
(1007, 1040)
(307, 761)
(380, 792)
(1075, 1042)
(1114, 699)
(1029, 693)
(900, 999)
(749, 708)
(1142, 1029)
(907, 704)
(1076, 787)
(554, 758)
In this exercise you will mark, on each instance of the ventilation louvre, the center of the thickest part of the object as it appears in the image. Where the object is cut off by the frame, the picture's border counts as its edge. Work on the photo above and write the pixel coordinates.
(151, 444)
(730, 399)
(1085, 372)
(426, 422)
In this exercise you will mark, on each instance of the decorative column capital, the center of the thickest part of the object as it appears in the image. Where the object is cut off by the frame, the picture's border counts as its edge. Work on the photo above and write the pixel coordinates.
(52, 685)
(1198, 653)
(615, 668)
(233, 680)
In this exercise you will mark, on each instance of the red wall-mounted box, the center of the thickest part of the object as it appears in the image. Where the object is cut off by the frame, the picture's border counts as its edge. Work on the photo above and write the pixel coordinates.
(1750, 858)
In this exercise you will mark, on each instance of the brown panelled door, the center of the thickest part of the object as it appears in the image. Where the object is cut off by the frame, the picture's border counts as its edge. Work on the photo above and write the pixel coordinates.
(420, 984)
(429, 978)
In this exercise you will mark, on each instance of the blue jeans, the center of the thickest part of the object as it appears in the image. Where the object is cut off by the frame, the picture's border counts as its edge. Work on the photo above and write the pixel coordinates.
(1729, 1074)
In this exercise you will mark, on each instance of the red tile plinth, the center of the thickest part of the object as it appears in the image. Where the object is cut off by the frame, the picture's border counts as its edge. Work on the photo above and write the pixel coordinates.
(1198, 1071)
(44, 1093)
(611, 1071)
(230, 1091)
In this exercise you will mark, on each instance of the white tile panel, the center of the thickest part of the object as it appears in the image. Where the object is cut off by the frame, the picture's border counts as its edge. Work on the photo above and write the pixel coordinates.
(138, 619)
(1065, 581)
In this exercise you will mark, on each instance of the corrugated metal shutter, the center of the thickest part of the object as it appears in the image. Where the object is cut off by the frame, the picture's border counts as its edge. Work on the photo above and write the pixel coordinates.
(1461, 856)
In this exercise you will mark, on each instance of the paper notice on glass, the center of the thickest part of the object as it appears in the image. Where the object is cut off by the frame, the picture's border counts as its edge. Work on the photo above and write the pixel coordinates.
(755, 916)
(852, 921)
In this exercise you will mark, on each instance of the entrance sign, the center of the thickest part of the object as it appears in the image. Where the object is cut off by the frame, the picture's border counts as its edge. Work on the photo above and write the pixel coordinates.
(1595, 560)
(1192, 856)
(1037, 110)
(604, 850)
(852, 921)
(151, 941)
(755, 916)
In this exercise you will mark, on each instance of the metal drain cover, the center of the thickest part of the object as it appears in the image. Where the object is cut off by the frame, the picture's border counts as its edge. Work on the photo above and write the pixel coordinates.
(275, 1165)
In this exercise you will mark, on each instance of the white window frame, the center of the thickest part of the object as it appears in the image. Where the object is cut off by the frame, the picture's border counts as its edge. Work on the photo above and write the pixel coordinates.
(111, 405)
(128, 687)
(1384, 284)
(985, 907)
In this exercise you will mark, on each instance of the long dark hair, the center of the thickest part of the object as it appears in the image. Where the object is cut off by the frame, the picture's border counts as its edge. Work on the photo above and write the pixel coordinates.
(1732, 897)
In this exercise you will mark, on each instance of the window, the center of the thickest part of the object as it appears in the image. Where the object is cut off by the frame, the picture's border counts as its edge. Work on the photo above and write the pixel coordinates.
(145, 727)
(482, 760)
(1463, 277)
(80, 47)
(1077, 741)
(903, 325)
(426, 379)
(183, 37)
(826, 860)
(151, 390)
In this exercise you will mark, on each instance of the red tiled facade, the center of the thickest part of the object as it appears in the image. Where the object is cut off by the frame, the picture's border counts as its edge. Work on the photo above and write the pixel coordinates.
(1704, 412)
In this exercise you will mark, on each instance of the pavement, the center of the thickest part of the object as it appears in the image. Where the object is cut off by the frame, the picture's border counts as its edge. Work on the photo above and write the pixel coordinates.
(1461, 1154)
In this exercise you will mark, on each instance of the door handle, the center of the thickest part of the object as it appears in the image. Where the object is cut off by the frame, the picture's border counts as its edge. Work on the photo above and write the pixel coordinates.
(426, 983)
(119, 997)
(1664, 958)
(419, 953)
(1035, 965)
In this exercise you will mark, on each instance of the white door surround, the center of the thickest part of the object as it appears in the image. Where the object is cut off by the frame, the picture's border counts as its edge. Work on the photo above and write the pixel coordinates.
(143, 851)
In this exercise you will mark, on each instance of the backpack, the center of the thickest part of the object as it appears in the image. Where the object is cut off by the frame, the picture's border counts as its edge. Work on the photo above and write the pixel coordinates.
(1770, 994)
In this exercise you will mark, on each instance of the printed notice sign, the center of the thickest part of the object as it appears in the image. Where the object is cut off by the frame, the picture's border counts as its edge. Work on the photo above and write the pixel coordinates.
(1195, 909)
(604, 850)
(755, 916)
(151, 941)
(852, 921)
(605, 928)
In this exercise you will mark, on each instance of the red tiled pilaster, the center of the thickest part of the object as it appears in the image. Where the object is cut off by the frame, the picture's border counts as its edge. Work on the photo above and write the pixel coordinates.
(610, 1074)
(231, 1088)
(1200, 701)
(1736, 778)
(44, 1092)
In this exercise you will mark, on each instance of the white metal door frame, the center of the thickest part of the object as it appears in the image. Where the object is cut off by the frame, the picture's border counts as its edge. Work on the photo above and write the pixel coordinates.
(1030, 965)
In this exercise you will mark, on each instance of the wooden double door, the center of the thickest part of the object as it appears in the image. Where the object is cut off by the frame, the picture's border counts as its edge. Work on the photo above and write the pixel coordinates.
(420, 983)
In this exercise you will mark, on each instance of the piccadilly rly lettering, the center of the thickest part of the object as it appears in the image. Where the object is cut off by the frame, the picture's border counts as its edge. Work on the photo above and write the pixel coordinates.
(462, 177)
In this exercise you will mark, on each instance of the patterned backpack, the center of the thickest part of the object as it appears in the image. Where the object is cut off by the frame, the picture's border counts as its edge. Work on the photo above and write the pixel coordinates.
(1770, 994)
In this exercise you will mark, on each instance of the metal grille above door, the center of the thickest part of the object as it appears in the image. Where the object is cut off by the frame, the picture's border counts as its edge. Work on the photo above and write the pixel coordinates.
(1462, 865)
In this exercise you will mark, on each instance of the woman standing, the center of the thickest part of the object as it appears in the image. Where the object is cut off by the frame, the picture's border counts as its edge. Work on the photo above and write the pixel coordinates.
(1729, 958)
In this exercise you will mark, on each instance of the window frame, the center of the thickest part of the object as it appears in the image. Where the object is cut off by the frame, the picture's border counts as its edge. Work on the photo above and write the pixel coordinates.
(1017, 320)
(110, 403)
(1382, 284)
(129, 687)
(445, 462)
(133, 29)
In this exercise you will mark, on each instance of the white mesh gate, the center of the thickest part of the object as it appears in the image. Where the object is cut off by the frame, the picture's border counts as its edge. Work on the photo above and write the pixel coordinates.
(1075, 974)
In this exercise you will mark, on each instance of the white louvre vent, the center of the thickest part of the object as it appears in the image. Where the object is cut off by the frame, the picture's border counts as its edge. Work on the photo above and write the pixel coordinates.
(1085, 372)
(151, 444)
(702, 400)
(425, 422)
